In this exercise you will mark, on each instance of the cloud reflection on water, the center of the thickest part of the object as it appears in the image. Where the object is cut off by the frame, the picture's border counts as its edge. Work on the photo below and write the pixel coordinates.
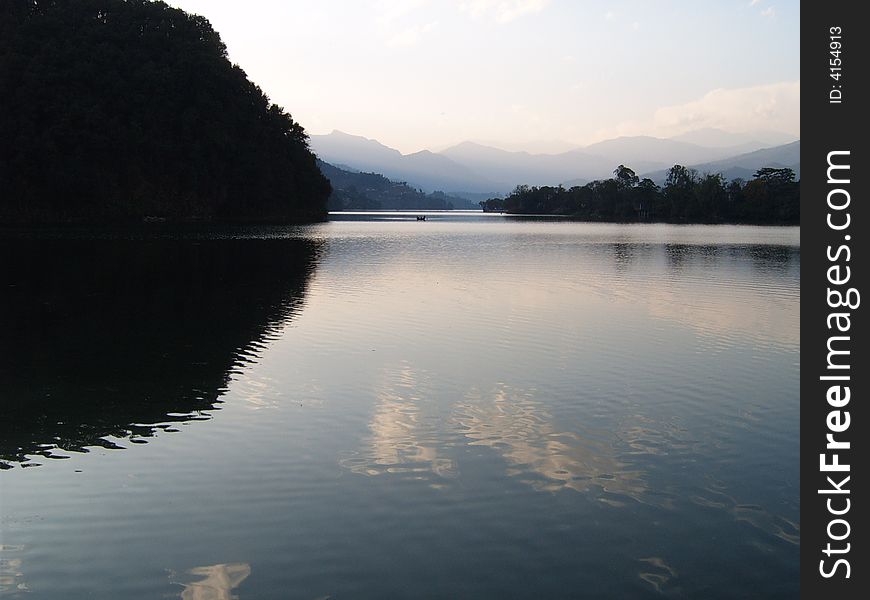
(403, 439)
(514, 423)
(11, 576)
(215, 582)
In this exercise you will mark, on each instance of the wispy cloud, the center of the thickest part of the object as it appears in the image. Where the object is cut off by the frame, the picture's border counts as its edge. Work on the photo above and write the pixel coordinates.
(769, 12)
(411, 35)
(753, 2)
(390, 11)
(402, 22)
(502, 11)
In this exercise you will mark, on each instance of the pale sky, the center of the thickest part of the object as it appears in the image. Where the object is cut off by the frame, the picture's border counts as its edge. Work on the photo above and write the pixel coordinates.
(417, 74)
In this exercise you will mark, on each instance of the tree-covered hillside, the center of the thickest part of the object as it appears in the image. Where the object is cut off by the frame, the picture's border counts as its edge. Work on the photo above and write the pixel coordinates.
(124, 109)
(371, 191)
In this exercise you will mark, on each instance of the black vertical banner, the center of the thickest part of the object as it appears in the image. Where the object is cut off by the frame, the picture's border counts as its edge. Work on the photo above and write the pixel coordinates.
(835, 168)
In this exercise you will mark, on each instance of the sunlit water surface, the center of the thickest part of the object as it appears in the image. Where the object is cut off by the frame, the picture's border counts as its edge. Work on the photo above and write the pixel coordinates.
(375, 407)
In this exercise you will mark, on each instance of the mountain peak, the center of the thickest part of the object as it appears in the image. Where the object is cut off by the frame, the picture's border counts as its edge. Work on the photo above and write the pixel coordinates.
(338, 139)
(337, 133)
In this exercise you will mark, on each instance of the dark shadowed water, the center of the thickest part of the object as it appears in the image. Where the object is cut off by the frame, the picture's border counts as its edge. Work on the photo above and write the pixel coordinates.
(377, 407)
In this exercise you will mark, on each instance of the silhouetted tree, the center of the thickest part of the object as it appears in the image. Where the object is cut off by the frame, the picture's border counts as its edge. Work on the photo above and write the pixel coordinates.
(625, 176)
(645, 195)
(772, 196)
(711, 197)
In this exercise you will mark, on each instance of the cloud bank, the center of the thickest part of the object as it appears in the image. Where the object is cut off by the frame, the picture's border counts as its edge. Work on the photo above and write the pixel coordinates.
(774, 106)
(770, 107)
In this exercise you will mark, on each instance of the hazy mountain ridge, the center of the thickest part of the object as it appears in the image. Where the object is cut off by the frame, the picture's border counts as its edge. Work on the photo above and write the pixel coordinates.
(426, 170)
(473, 168)
(717, 138)
(743, 166)
(516, 168)
(353, 190)
(646, 149)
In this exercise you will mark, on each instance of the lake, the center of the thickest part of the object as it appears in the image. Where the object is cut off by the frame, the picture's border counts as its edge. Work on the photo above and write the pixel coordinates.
(473, 406)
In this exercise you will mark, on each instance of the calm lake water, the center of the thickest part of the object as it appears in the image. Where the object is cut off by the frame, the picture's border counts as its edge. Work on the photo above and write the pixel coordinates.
(375, 407)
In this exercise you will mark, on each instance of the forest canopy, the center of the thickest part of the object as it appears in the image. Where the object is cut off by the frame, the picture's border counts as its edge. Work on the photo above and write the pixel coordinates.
(772, 196)
(115, 110)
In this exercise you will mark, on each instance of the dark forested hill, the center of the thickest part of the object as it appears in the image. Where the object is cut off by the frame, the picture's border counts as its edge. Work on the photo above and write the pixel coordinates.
(371, 191)
(124, 109)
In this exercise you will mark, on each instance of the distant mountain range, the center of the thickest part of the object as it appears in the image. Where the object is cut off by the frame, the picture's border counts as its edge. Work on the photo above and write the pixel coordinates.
(744, 166)
(425, 170)
(471, 169)
(716, 138)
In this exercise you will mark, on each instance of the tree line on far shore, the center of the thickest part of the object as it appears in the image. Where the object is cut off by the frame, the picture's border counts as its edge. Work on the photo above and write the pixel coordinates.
(772, 196)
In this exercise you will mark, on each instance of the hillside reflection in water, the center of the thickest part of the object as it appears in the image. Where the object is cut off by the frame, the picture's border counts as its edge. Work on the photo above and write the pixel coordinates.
(118, 338)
